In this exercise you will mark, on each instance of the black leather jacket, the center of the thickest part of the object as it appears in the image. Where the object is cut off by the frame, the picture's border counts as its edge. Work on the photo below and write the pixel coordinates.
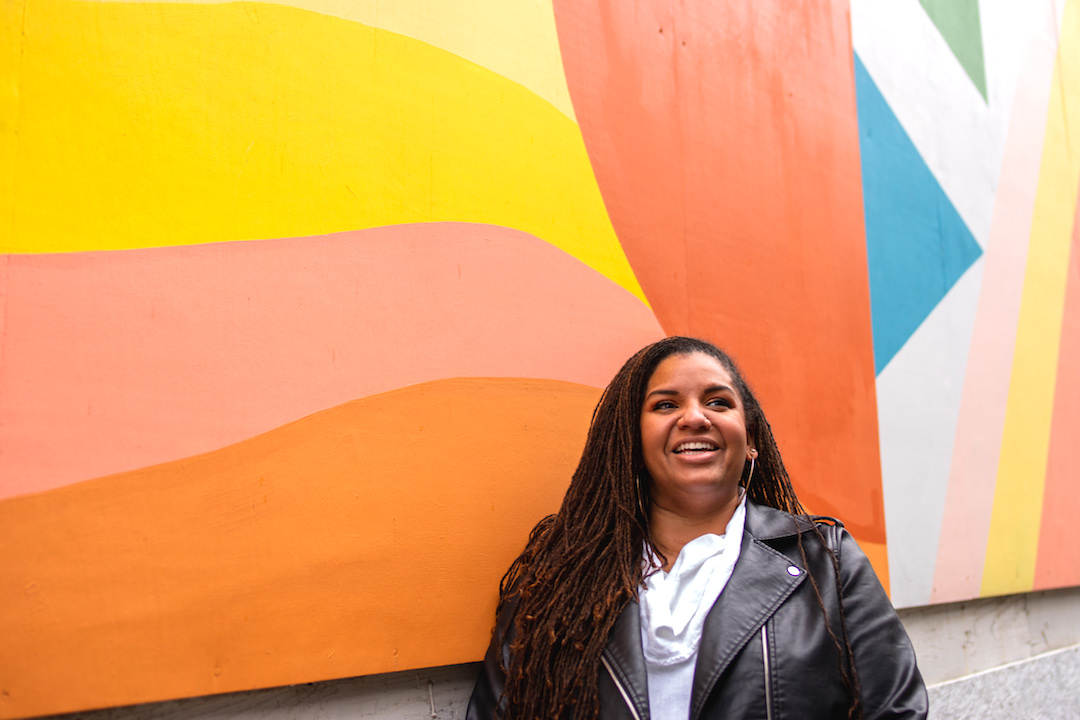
(765, 651)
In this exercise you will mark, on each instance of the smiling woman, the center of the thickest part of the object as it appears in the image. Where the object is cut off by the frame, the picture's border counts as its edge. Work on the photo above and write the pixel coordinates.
(681, 576)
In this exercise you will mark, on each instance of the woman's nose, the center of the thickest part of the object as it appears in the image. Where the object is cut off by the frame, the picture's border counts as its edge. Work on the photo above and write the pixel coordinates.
(693, 417)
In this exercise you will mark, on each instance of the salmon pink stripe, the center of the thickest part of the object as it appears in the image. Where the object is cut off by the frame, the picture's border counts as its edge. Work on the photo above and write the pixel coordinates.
(119, 360)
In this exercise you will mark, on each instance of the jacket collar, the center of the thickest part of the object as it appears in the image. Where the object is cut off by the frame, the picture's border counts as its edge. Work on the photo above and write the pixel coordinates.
(763, 578)
(766, 523)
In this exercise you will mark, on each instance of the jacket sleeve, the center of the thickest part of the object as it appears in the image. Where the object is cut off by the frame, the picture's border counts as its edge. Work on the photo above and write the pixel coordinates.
(487, 701)
(891, 686)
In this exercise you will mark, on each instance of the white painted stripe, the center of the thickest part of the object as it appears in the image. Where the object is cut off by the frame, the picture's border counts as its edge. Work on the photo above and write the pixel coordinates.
(918, 404)
(959, 135)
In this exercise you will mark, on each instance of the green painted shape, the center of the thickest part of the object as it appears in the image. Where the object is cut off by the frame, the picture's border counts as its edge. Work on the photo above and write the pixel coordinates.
(958, 22)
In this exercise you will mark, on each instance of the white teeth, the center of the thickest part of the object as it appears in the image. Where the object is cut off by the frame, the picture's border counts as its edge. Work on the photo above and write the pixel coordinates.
(690, 446)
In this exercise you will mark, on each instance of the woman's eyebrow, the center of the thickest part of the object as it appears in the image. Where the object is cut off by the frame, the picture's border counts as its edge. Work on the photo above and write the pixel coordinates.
(710, 389)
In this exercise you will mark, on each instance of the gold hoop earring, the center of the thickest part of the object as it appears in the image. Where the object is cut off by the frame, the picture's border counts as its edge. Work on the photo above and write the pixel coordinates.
(641, 499)
(751, 475)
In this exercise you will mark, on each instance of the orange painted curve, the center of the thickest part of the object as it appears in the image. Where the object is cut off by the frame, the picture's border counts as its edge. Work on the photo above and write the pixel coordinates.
(335, 546)
(725, 142)
(119, 360)
(1058, 561)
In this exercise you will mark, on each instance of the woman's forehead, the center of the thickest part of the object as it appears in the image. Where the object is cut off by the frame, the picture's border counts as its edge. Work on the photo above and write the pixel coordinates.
(687, 367)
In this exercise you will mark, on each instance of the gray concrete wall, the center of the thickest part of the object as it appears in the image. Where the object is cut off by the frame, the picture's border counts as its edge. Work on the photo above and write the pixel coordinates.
(963, 638)
(1002, 658)
(998, 658)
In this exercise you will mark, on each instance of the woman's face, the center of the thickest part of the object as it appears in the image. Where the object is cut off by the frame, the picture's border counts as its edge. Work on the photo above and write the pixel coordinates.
(693, 431)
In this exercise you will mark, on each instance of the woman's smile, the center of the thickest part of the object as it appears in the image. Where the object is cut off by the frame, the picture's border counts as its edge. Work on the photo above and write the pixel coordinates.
(695, 446)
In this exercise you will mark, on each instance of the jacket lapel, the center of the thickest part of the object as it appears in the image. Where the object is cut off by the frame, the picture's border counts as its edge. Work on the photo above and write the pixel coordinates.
(760, 582)
(624, 655)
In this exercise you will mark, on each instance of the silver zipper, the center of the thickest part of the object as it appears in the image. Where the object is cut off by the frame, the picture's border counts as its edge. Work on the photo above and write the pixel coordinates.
(622, 690)
(768, 679)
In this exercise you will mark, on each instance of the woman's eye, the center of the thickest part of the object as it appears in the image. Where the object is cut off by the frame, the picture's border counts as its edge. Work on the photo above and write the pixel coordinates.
(719, 402)
(664, 405)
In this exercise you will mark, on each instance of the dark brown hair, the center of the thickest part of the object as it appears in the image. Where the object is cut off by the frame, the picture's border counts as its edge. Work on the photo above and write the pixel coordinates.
(582, 565)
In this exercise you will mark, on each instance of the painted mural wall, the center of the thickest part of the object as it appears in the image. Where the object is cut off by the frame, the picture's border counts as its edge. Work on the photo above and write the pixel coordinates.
(306, 306)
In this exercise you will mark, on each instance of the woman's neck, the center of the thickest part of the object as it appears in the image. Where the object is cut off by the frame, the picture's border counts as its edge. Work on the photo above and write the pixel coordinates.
(671, 528)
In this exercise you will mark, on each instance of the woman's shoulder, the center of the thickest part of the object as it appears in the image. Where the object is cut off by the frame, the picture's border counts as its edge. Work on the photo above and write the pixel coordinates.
(764, 522)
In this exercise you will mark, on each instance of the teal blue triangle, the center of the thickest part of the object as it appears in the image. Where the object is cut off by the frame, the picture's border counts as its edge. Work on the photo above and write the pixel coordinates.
(917, 245)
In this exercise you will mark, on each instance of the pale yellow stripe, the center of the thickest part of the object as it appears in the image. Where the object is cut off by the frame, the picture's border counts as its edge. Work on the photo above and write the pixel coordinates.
(514, 38)
(1018, 495)
(149, 125)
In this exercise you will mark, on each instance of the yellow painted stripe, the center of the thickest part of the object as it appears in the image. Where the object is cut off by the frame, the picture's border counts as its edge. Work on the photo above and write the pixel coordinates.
(513, 38)
(11, 21)
(149, 125)
(1018, 495)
